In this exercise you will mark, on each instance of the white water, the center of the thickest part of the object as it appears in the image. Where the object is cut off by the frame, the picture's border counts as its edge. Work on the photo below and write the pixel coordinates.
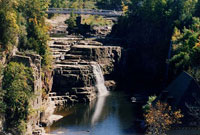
(100, 83)
(102, 91)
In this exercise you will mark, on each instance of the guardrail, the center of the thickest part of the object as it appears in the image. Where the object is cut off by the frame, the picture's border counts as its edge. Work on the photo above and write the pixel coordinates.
(111, 13)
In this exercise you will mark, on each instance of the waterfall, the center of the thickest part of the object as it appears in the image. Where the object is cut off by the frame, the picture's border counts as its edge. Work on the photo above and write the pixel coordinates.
(102, 90)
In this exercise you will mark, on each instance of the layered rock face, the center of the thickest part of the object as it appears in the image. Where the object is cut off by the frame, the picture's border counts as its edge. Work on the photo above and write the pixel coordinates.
(33, 61)
(76, 81)
(73, 73)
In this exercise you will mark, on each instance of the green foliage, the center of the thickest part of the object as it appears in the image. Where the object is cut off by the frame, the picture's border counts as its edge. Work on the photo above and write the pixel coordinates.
(37, 29)
(109, 4)
(81, 4)
(147, 28)
(2, 104)
(94, 4)
(96, 20)
(89, 4)
(186, 49)
(75, 26)
(77, 4)
(145, 19)
(1, 69)
(22, 24)
(9, 28)
(24, 21)
(146, 107)
(18, 85)
(58, 4)
(71, 23)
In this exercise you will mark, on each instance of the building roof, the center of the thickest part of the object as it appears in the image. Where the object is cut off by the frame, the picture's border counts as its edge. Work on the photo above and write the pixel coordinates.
(179, 88)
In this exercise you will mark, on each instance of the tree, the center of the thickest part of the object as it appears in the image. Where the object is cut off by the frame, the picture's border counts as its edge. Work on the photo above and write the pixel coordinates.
(125, 7)
(18, 85)
(71, 23)
(109, 4)
(186, 49)
(160, 118)
(9, 28)
(146, 30)
(37, 30)
(2, 92)
(57, 4)
(77, 4)
(81, 4)
(22, 24)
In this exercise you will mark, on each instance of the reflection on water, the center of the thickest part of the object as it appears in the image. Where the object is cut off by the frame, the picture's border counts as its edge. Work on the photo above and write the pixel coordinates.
(102, 91)
(98, 109)
(108, 115)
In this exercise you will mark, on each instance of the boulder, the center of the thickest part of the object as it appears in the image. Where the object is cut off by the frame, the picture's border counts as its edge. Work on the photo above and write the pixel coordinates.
(110, 84)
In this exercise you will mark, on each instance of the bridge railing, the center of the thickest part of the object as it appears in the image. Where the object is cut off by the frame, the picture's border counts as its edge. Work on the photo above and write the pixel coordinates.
(85, 11)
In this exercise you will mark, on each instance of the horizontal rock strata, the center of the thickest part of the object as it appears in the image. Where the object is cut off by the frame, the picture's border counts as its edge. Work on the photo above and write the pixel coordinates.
(73, 72)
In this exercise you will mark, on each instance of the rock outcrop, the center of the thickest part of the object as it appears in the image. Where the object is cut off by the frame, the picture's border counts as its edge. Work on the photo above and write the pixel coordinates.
(74, 79)
(110, 84)
(33, 61)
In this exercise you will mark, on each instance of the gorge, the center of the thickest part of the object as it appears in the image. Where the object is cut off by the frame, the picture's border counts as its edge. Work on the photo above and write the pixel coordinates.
(76, 77)
(77, 74)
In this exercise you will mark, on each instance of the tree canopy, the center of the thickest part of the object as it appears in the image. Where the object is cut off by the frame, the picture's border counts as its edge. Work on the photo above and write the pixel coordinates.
(186, 49)
(58, 3)
(18, 85)
(147, 29)
(22, 24)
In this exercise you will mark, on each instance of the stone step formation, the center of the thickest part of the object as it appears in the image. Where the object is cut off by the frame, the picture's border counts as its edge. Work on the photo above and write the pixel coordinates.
(73, 72)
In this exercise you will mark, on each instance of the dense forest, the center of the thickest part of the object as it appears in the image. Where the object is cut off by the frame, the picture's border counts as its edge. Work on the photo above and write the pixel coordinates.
(89, 4)
(148, 29)
(23, 25)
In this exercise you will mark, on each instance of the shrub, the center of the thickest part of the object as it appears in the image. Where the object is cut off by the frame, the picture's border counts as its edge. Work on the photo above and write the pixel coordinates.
(149, 103)
(160, 118)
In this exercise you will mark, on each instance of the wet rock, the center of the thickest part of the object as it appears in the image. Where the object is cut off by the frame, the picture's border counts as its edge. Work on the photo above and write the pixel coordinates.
(110, 84)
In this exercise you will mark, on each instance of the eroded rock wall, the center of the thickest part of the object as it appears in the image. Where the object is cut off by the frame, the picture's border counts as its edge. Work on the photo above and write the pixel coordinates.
(42, 87)
(107, 56)
(73, 72)
(33, 61)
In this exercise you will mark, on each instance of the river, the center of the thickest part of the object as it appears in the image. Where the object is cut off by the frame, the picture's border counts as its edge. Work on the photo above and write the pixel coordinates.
(113, 114)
